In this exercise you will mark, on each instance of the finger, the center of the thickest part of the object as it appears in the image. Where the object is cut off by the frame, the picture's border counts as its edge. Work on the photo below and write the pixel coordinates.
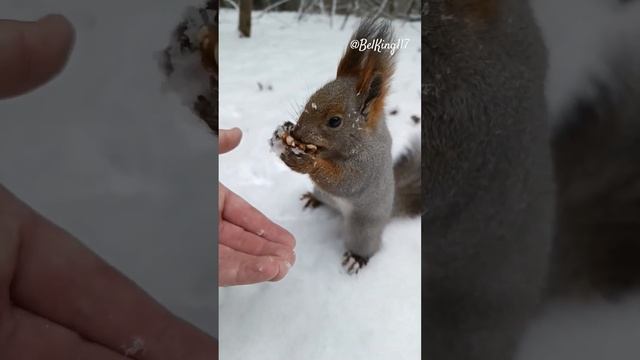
(240, 240)
(236, 268)
(283, 270)
(58, 278)
(54, 341)
(31, 53)
(229, 139)
(239, 212)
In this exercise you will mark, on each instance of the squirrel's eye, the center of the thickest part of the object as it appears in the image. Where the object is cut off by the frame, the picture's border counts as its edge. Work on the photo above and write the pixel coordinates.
(334, 122)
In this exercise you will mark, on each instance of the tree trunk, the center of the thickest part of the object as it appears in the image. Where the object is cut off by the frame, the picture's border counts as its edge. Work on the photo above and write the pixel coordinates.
(244, 23)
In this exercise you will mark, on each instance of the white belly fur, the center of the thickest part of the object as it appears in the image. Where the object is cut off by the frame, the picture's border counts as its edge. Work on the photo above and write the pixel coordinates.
(343, 205)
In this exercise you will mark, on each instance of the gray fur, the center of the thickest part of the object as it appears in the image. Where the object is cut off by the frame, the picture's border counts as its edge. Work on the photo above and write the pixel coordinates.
(365, 160)
(486, 178)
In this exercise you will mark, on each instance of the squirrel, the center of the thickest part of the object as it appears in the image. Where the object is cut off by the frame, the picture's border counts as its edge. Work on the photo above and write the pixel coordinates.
(352, 168)
(487, 182)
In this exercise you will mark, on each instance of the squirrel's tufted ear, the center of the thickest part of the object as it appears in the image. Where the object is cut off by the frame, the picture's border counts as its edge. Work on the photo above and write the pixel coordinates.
(372, 86)
(371, 67)
(371, 91)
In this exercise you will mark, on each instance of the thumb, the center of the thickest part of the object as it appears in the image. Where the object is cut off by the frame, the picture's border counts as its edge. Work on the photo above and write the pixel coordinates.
(229, 139)
(31, 53)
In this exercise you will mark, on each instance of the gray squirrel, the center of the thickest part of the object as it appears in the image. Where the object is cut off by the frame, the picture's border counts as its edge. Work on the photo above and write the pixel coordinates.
(351, 165)
(488, 190)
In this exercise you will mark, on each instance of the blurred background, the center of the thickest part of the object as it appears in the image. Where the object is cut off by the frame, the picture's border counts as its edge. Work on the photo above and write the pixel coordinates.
(105, 153)
(593, 85)
(338, 12)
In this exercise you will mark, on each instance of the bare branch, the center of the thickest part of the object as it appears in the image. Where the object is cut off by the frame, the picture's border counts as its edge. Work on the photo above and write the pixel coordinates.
(232, 3)
(270, 7)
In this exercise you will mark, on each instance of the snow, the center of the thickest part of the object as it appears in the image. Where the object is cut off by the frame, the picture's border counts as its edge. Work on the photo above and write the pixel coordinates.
(108, 155)
(318, 311)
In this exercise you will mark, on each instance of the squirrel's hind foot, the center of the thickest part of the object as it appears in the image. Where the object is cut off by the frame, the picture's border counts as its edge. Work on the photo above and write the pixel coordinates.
(353, 263)
(310, 201)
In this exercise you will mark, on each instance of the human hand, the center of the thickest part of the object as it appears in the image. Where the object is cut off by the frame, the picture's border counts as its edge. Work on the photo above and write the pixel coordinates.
(31, 53)
(58, 300)
(251, 247)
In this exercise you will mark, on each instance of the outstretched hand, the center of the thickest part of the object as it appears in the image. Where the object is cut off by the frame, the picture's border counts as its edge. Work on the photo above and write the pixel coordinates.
(251, 248)
(58, 300)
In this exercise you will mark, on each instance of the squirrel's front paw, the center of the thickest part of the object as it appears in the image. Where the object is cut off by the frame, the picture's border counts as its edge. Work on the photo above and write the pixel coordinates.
(298, 160)
(353, 263)
(310, 200)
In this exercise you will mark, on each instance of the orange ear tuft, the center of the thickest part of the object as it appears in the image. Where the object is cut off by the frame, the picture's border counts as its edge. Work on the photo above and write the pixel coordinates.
(373, 84)
(372, 67)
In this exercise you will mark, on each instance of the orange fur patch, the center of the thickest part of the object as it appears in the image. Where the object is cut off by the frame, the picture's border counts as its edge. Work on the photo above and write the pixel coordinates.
(371, 69)
(348, 65)
(376, 112)
(325, 173)
(208, 45)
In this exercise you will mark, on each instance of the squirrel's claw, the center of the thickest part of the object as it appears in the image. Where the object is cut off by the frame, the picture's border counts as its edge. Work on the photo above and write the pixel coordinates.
(353, 263)
(310, 200)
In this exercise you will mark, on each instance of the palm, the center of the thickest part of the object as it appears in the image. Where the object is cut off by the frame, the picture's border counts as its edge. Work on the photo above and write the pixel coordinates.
(58, 300)
(251, 248)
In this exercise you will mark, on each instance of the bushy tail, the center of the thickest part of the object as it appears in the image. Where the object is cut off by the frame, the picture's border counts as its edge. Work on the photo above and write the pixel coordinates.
(408, 177)
(597, 166)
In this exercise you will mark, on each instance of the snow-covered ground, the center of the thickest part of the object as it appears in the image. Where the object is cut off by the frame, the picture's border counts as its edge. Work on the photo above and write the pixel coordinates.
(103, 152)
(317, 312)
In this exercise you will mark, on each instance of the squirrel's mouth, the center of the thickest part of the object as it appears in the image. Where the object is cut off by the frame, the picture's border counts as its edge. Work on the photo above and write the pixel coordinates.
(285, 133)
(316, 144)
(290, 141)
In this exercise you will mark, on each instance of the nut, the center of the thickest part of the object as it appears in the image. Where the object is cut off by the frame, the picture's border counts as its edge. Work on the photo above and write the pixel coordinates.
(311, 147)
(289, 140)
